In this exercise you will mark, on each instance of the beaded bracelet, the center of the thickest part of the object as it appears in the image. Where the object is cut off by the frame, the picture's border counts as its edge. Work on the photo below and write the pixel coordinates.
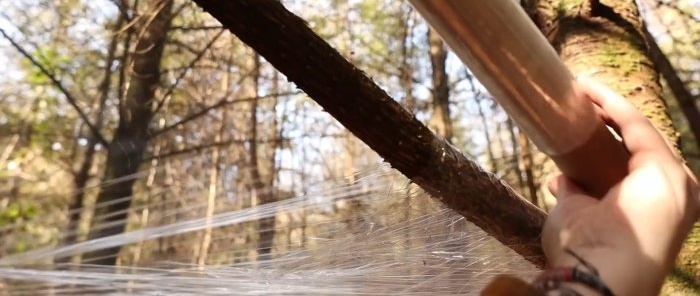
(551, 280)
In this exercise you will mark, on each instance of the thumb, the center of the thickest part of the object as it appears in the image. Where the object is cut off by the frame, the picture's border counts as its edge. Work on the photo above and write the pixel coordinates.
(562, 187)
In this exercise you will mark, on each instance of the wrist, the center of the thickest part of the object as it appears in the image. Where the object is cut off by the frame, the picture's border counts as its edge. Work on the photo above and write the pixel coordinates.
(575, 279)
(626, 273)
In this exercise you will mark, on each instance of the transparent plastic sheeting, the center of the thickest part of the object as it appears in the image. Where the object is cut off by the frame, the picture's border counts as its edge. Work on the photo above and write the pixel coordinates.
(400, 243)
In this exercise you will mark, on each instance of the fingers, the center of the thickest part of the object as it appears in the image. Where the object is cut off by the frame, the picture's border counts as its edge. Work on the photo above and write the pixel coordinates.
(638, 133)
(608, 121)
(562, 187)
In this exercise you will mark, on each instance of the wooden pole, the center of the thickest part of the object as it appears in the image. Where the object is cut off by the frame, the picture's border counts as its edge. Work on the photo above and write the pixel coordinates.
(508, 54)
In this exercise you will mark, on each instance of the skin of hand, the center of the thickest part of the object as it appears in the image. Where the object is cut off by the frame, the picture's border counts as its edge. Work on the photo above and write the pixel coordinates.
(634, 233)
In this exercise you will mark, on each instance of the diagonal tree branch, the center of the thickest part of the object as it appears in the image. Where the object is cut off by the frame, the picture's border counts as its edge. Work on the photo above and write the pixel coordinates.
(365, 109)
(69, 97)
(223, 102)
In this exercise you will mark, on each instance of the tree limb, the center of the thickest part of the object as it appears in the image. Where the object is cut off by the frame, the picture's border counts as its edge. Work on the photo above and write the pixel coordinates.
(361, 106)
(222, 102)
(225, 143)
(69, 97)
(199, 56)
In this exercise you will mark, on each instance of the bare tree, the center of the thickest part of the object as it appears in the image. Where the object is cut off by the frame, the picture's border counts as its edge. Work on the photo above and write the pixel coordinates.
(366, 110)
(126, 149)
(441, 89)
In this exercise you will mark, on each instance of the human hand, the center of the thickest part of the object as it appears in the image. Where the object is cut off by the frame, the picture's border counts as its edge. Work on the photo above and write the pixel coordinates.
(634, 233)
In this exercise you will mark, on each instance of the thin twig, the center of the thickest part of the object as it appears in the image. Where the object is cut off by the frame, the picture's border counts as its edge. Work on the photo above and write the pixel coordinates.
(69, 97)
(171, 88)
(199, 148)
(222, 102)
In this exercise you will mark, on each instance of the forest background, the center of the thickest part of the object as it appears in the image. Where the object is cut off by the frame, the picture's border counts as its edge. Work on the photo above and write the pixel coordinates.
(123, 115)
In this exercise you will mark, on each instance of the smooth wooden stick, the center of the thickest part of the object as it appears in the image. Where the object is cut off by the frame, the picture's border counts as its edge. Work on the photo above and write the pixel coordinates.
(508, 54)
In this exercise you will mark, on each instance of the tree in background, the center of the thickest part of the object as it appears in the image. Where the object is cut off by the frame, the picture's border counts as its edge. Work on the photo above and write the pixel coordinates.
(130, 140)
(227, 133)
(440, 90)
(608, 40)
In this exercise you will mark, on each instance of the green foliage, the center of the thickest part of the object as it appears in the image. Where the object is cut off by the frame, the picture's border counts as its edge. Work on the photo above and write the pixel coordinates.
(564, 7)
(51, 59)
(368, 32)
(18, 211)
(380, 19)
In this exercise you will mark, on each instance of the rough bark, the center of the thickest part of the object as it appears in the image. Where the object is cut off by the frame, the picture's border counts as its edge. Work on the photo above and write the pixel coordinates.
(608, 41)
(125, 151)
(361, 106)
(603, 40)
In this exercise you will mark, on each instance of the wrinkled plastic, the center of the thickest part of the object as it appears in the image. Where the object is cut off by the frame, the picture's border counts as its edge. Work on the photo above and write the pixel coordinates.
(398, 242)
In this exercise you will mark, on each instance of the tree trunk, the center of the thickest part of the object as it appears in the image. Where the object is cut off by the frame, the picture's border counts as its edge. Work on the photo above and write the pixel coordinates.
(608, 41)
(515, 159)
(266, 225)
(406, 69)
(487, 135)
(441, 90)
(125, 151)
(526, 155)
(203, 252)
(82, 176)
(353, 99)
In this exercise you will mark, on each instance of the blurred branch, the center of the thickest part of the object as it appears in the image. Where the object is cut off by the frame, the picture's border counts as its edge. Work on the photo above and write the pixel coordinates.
(202, 28)
(345, 92)
(130, 31)
(69, 97)
(223, 102)
(123, 7)
(181, 8)
(674, 6)
(199, 56)
(167, 71)
(8, 149)
(686, 101)
(234, 141)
